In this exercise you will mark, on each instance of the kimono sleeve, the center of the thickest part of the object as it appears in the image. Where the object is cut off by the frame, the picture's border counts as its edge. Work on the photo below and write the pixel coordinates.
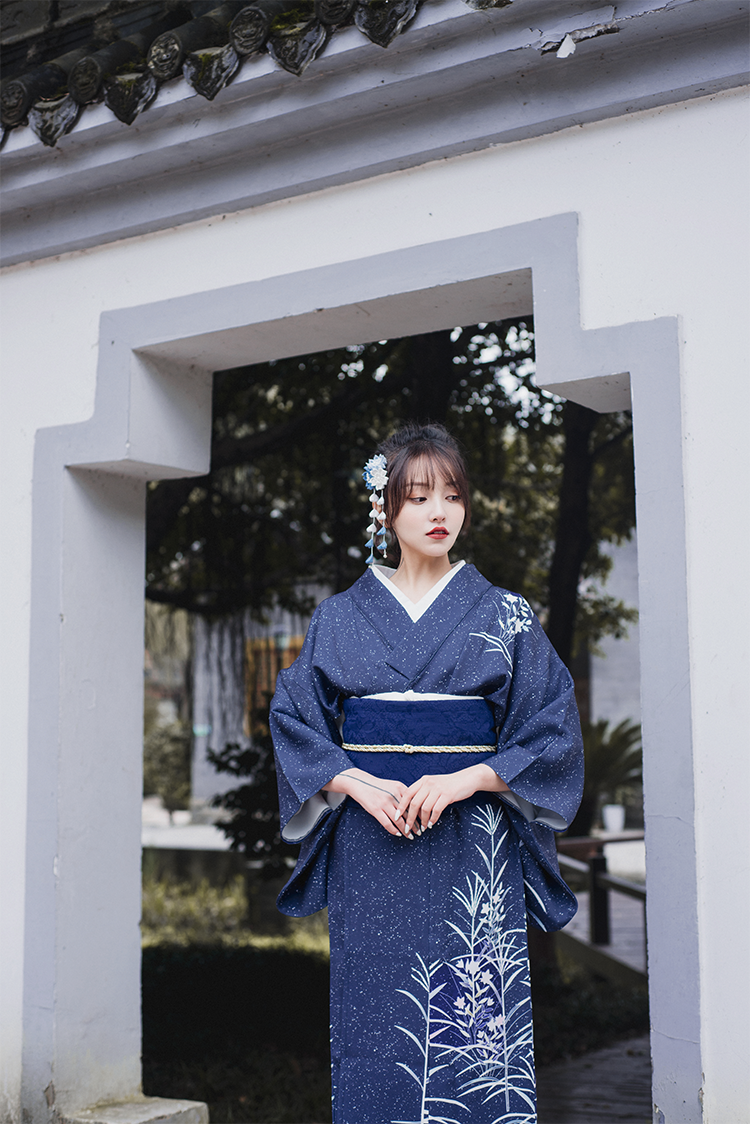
(306, 737)
(540, 749)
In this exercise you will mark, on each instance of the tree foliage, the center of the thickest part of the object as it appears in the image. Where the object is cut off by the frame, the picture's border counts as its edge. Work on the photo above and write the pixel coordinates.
(254, 825)
(166, 765)
(284, 502)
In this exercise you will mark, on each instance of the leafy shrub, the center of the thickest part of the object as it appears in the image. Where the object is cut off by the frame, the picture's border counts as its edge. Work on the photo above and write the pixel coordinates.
(205, 1001)
(256, 1085)
(166, 765)
(254, 825)
(180, 913)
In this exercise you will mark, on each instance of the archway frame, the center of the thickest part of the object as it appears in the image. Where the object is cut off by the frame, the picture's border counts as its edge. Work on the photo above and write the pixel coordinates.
(152, 421)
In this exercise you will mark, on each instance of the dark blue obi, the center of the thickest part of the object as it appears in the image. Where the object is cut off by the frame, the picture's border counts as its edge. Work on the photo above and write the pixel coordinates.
(414, 727)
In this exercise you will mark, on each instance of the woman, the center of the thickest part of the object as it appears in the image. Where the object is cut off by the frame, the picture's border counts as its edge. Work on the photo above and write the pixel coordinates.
(426, 817)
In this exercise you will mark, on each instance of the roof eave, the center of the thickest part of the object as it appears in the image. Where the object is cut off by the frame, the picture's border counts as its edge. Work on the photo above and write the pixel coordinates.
(461, 80)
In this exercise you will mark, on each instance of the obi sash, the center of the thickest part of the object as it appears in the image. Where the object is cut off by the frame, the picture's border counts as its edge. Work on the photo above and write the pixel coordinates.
(405, 740)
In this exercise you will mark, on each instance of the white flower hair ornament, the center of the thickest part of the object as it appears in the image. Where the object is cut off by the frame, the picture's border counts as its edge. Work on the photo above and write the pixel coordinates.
(375, 477)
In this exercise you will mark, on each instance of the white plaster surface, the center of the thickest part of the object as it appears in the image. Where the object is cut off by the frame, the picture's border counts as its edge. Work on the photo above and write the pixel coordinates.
(662, 199)
(616, 673)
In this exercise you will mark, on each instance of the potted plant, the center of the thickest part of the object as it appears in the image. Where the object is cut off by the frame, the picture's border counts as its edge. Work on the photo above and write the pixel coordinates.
(613, 762)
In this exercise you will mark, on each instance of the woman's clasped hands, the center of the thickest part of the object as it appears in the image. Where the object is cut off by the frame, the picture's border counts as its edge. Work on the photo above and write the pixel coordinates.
(410, 810)
(425, 800)
(379, 796)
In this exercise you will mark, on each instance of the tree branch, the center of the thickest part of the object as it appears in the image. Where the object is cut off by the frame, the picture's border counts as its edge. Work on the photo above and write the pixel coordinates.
(242, 450)
(615, 439)
(164, 502)
(573, 536)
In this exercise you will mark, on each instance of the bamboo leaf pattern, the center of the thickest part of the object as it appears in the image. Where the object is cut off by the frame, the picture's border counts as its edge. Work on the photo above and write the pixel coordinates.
(475, 1008)
(514, 616)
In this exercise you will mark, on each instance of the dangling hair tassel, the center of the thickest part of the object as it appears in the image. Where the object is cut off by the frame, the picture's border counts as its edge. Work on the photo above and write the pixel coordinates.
(375, 476)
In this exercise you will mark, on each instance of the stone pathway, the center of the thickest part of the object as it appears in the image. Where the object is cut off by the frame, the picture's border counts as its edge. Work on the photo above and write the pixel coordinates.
(603, 1087)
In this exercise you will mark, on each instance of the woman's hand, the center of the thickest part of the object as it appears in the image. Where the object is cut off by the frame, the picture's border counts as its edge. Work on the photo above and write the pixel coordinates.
(425, 800)
(379, 797)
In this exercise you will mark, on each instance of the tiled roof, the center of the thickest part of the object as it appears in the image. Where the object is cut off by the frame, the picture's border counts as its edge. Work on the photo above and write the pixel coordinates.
(121, 52)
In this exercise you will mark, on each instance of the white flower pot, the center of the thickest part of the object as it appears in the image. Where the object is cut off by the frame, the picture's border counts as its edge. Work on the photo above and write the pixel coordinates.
(613, 818)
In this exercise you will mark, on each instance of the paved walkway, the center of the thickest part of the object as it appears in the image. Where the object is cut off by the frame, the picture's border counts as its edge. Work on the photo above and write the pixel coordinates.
(603, 1087)
(178, 833)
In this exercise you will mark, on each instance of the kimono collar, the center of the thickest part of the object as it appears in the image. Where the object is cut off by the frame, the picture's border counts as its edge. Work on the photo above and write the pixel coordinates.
(413, 645)
(415, 609)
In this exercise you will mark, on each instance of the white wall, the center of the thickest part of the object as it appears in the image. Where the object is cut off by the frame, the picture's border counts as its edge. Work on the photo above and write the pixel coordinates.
(616, 673)
(662, 198)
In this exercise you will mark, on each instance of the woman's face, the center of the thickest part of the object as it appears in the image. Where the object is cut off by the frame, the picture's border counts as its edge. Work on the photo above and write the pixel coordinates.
(428, 523)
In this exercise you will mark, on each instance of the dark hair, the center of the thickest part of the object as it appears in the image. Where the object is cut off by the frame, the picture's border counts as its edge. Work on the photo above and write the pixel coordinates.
(433, 446)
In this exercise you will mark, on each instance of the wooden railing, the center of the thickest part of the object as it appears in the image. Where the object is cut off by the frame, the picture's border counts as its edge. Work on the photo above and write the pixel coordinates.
(592, 864)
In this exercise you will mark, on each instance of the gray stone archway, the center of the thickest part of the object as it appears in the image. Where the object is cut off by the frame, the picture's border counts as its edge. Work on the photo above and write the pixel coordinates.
(152, 421)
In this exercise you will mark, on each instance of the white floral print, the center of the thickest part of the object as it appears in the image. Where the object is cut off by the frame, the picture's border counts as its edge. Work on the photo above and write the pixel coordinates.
(475, 1009)
(514, 616)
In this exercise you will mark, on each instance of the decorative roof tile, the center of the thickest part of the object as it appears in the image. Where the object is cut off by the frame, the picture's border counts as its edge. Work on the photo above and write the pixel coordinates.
(122, 51)
(457, 82)
(127, 95)
(87, 78)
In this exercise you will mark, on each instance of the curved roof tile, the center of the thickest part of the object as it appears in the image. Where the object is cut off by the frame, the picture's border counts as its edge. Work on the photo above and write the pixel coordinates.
(204, 43)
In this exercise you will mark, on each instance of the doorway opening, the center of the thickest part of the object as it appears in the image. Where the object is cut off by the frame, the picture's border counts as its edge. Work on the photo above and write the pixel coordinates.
(276, 526)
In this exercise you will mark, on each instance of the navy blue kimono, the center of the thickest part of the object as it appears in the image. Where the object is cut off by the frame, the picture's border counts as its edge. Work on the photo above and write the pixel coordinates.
(430, 996)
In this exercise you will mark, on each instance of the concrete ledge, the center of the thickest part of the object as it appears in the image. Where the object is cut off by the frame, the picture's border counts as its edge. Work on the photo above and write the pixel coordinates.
(160, 1110)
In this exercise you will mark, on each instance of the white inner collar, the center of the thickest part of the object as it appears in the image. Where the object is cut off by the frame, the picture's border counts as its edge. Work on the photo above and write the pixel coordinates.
(415, 610)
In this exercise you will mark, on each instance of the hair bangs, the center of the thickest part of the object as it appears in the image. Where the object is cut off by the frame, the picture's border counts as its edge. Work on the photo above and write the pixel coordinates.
(422, 455)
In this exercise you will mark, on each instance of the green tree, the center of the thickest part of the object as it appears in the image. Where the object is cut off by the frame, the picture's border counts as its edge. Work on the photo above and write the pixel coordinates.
(254, 824)
(166, 765)
(284, 501)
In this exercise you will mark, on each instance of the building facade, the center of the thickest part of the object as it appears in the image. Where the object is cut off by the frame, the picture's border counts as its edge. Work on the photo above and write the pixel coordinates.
(584, 161)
